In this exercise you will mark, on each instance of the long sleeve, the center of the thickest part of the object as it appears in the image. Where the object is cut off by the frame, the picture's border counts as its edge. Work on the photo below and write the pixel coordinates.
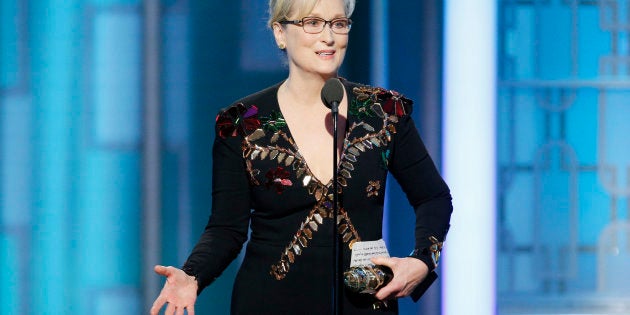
(227, 226)
(426, 191)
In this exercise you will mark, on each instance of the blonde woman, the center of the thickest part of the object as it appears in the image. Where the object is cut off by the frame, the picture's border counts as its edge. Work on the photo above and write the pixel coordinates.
(272, 173)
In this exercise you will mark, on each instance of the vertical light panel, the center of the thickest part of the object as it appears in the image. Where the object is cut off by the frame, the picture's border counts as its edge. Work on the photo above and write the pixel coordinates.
(107, 237)
(9, 42)
(380, 43)
(116, 86)
(15, 181)
(379, 67)
(469, 156)
(52, 25)
(151, 150)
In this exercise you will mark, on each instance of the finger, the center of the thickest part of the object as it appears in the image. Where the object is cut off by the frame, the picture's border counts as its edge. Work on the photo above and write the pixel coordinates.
(384, 293)
(157, 305)
(180, 311)
(170, 309)
(389, 291)
(191, 310)
(161, 270)
(382, 260)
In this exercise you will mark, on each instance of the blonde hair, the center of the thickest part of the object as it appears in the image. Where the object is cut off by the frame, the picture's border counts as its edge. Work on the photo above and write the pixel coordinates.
(281, 9)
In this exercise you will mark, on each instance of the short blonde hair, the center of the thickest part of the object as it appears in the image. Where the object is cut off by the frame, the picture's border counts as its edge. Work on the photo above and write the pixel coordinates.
(281, 9)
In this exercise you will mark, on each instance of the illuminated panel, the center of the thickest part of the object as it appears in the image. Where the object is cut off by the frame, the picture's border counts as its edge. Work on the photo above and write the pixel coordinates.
(469, 156)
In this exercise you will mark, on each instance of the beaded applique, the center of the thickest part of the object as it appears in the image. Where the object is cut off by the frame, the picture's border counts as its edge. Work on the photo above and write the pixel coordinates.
(237, 119)
(310, 225)
(373, 188)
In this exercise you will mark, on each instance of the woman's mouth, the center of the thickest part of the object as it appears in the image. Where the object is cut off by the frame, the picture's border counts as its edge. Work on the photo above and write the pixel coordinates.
(326, 52)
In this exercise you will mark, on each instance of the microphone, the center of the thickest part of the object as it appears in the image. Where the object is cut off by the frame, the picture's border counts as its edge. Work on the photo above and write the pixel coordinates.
(332, 94)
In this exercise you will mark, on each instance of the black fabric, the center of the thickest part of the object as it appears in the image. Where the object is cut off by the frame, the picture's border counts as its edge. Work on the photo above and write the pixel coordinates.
(252, 189)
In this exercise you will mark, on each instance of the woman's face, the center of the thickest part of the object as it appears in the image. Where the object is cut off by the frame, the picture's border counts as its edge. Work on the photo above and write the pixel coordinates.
(320, 54)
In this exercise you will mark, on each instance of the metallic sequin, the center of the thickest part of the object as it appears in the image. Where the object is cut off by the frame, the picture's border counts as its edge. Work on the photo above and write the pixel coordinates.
(297, 249)
(257, 134)
(319, 193)
(345, 173)
(343, 228)
(281, 157)
(347, 166)
(308, 233)
(347, 237)
(342, 182)
(303, 241)
(318, 218)
(375, 141)
(274, 138)
(263, 154)
(306, 180)
(367, 144)
(299, 172)
(378, 110)
(289, 160)
(353, 150)
(435, 249)
(360, 146)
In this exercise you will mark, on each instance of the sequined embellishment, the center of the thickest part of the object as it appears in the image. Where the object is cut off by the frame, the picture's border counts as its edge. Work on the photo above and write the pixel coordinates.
(379, 101)
(278, 178)
(237, 119)
(359, 108)
(385, 158)
(373, 188)
(394, 103)
(435, 249)
(285, 157)
(274, 122)
(315, 218)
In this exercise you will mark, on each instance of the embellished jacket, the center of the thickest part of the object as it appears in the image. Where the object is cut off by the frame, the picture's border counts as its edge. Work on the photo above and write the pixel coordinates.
(260, 181)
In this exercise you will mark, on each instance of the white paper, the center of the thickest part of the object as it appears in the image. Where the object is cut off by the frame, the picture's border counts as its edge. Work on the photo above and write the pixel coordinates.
(363, 251)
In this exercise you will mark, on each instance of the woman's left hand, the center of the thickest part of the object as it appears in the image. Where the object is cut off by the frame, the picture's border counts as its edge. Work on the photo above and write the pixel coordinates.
(408, 273)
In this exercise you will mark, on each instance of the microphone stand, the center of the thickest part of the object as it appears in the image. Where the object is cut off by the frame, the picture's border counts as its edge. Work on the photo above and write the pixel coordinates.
(336, 237)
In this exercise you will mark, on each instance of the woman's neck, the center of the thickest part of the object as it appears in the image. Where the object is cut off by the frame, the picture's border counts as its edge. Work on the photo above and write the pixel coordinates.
(305, 88)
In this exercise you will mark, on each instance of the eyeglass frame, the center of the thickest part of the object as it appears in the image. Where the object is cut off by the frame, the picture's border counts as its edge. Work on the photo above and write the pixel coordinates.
(329, 22)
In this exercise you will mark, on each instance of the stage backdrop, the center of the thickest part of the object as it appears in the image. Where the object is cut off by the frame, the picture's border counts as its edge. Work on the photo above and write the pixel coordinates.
(564, 157)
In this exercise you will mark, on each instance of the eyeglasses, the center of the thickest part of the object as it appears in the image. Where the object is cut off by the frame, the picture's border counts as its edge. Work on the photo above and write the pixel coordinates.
(315, 25)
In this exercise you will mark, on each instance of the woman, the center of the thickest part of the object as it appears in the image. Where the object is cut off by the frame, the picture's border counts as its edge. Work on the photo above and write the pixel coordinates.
(272, 172)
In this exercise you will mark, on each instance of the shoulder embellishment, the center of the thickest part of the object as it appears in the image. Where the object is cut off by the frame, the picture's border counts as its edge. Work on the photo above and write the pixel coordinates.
(237, 119)
(380, 101)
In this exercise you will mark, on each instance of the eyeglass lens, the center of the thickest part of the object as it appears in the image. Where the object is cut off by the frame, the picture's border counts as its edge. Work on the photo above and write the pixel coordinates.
(316, 25)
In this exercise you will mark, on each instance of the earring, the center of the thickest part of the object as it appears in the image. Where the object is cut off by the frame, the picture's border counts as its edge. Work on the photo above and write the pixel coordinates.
(282, 46)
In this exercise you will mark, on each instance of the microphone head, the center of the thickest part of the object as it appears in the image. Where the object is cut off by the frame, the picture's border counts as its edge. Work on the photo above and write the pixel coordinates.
(332, 92)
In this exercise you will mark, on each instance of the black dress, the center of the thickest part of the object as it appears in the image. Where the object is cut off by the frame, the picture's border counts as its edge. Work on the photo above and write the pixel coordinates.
(261, 181)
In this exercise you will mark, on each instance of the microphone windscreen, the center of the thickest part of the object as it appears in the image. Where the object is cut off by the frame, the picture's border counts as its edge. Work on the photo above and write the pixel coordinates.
(332, 92)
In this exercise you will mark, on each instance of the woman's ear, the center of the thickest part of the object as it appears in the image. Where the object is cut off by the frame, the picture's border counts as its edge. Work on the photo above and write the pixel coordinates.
(278, 34)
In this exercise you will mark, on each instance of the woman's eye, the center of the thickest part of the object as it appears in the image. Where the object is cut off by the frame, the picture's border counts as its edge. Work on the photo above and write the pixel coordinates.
(312, 22)
(339, 24)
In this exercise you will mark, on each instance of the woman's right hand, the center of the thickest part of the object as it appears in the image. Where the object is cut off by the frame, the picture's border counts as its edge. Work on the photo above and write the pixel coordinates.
(179, 291)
